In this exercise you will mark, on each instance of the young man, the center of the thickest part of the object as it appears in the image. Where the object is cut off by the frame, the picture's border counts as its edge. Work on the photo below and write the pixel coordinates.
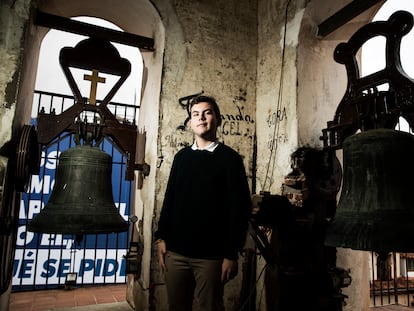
(204, 217)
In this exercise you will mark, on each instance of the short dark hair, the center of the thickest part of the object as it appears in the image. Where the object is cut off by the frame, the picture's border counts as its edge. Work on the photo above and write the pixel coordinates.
(206, 99)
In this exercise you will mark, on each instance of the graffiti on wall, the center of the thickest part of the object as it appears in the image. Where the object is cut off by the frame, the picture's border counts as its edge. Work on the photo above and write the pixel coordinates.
(237, 123)
(276, 116)
(275, 138)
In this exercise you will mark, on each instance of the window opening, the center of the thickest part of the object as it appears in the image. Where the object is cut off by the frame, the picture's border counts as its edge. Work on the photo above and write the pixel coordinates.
(393, 281)
(44, 260)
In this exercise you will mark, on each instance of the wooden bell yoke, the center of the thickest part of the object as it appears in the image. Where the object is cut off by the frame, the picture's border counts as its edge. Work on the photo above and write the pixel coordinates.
(97, 55)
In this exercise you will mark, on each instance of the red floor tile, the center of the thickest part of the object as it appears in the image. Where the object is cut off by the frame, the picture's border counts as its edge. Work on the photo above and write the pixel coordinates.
(61, 298)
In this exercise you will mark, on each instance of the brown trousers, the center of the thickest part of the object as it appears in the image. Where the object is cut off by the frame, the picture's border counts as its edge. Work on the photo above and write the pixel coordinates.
(189, 279)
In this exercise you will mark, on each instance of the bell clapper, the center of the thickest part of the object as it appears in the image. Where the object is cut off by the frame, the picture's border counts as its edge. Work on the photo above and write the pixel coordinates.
(88, 132)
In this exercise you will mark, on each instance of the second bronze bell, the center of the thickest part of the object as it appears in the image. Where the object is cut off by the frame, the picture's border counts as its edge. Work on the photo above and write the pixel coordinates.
(375, 211)
(82, 200)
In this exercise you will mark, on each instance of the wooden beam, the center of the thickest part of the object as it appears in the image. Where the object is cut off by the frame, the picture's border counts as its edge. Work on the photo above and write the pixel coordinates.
(69, 25)
(344, 15)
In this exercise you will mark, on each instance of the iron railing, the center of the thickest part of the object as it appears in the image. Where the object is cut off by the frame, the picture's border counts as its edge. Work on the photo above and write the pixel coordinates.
(42, 261)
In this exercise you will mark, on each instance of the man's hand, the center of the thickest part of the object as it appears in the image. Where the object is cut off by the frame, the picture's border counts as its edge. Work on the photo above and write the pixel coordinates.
(228, 270)
(162, 252)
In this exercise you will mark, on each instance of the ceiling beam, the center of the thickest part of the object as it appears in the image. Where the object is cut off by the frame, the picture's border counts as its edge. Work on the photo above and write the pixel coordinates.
(81, 28)
(344, 15)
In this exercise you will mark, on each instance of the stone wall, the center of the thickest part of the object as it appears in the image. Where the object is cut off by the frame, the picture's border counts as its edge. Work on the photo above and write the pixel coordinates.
(210, 47)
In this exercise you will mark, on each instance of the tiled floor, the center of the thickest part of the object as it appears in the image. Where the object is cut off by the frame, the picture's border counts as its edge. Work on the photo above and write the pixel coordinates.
(58, 299)
(63, 298)
(391, 308)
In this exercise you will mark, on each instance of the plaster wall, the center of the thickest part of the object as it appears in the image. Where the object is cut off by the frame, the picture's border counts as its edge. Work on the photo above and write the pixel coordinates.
(299, 86)
(276, 106)
(321, 85)
(13, 15)
(210, 47)
(276, 109)
(322, 81)
(13, 18)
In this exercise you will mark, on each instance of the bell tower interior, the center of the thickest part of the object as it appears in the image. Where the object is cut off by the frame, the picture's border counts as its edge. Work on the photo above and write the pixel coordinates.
(277, 94)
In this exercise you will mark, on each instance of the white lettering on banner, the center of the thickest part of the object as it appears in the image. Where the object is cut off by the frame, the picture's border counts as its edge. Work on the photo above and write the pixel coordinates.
(55, 240)
(24, 237)
(37, 184)
(51, 266)
(45, 259)
(34, 208)
(51, 159)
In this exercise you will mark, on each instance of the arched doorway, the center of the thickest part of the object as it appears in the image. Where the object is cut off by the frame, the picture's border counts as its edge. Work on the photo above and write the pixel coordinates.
(98, 260)
(136, 17)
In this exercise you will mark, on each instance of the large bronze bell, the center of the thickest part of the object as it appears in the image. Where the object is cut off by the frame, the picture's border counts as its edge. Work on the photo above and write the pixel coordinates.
(376, 208)
(82, 200)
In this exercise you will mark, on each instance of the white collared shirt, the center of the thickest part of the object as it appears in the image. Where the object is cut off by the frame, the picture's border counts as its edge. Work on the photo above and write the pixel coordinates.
(210, 147)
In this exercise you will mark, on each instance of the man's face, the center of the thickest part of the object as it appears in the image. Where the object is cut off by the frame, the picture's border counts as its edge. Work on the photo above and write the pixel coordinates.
(203, 121)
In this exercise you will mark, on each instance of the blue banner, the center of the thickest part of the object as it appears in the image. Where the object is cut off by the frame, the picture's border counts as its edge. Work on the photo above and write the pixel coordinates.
(45, 259)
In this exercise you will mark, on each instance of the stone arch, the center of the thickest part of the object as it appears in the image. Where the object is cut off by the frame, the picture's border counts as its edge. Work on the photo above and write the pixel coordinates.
(138, 17)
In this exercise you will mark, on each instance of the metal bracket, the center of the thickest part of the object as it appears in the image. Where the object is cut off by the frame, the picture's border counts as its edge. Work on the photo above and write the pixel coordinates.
(101, 55)
(364, 107)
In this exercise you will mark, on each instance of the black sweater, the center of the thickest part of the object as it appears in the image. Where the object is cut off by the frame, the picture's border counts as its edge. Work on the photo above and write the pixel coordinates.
(206, 205)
